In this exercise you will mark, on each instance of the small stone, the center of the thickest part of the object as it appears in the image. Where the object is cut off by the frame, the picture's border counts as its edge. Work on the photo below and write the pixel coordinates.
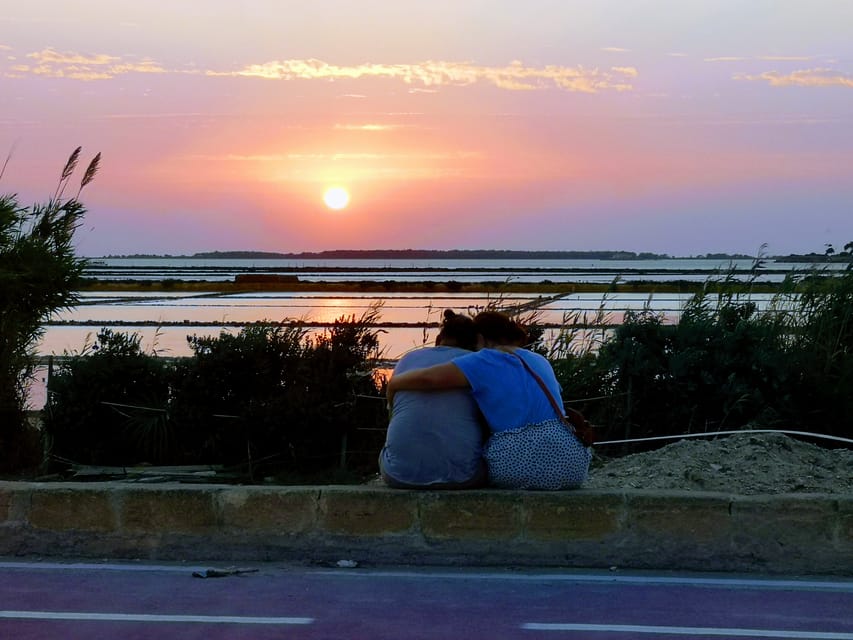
(346, 564)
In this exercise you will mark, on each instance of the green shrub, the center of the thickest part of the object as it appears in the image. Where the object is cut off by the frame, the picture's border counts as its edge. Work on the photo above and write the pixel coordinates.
(109, 405)
(230, 397)
(39, 273)
(720, 367)
(821, 352)
(276, 395)
(269, 399)
(278, 401)
(724, 365)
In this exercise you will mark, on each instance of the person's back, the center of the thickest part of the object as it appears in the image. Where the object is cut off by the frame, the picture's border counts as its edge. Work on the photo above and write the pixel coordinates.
(435, 439)
(507, 394)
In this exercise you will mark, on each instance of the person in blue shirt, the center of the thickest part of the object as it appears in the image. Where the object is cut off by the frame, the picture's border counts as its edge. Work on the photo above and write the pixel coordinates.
(530, 447)
(435, 440)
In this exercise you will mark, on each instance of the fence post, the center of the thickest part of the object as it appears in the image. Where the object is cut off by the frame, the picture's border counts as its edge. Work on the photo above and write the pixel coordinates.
(343, 462)
(47, 381)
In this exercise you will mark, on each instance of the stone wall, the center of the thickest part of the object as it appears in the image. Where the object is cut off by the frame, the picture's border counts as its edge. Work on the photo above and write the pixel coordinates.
(374, 525)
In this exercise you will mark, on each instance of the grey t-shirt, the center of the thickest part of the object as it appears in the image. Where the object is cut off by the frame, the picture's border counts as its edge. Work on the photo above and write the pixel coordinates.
(434, 437)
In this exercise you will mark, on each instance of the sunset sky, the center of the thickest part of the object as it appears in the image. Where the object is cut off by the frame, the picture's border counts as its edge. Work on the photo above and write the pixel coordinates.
(673, 126)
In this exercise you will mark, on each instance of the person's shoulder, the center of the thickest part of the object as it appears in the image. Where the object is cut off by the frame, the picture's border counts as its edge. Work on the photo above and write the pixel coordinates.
(452, 351)
(533, 358)
(485, 356)
(427, 356)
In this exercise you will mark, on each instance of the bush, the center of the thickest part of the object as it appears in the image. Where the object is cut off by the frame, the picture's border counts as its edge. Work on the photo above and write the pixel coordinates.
(277, 401)
(718, 368)
(39, 273)
(724, 365)
(233, 396)
(109, 405)
(269, 399)
(821, 352)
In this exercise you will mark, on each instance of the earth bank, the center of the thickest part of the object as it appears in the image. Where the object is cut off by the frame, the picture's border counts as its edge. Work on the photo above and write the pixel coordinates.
(744, 464)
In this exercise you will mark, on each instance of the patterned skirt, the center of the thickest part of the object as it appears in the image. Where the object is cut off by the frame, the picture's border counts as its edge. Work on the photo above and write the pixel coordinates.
(542, 455)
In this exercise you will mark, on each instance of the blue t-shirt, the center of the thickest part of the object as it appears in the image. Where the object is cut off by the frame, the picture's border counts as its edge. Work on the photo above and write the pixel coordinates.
(434, 437)
(506, 393)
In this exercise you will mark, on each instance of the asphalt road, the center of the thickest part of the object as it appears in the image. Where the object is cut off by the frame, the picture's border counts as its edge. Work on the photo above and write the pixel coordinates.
(45, 601)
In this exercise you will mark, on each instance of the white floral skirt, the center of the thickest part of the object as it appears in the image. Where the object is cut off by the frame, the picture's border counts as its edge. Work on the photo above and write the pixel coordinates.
(542, 455)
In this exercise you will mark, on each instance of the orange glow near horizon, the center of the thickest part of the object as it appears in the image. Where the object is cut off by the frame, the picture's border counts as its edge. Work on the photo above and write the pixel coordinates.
(544, 128)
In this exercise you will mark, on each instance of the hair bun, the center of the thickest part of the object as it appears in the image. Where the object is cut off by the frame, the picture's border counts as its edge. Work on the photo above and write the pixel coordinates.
(448, 314)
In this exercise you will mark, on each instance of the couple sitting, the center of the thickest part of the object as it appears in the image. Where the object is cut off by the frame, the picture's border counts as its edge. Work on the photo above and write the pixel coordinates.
(478, 409)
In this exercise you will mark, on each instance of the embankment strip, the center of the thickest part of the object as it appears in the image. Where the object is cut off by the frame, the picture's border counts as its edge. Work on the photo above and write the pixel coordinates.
(373, 525)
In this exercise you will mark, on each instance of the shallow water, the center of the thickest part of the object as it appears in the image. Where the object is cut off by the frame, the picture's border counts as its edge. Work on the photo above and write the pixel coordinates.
(165, 321)
(588, 271)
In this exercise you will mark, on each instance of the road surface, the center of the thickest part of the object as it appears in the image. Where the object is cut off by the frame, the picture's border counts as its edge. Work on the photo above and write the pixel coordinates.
(46, 600)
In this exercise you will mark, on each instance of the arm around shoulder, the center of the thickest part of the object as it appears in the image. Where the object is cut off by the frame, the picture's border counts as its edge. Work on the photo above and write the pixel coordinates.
(441, 376)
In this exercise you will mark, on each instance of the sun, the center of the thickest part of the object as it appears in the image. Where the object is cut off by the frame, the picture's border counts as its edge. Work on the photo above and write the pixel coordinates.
(336, 198)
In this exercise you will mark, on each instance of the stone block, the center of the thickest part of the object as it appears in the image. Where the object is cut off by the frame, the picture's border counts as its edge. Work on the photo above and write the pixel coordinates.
(842, 557)
(471, 515)
(785, 522)
(688, 517)
(845, 523)
(570, 516)
(366, 512)
(167, 510)
(71, 509)
(275, 510)
(7, 495)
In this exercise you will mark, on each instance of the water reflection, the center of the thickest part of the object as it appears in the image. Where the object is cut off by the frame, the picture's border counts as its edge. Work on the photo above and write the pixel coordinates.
(164, 322)
(436, 270)
(171, 341)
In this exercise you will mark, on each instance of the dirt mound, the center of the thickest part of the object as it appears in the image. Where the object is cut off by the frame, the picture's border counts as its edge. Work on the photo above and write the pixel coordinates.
(748, 463)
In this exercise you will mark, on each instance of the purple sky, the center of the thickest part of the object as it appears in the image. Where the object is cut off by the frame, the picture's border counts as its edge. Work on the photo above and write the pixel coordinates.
(673, 126)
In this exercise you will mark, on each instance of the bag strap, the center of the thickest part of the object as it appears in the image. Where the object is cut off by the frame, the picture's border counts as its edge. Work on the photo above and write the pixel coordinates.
(578, 424)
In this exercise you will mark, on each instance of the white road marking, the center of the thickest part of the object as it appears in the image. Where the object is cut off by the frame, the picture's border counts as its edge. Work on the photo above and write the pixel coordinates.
(103, 566)
(688, 631)
(141, 617)
(840, 584)
(698, 581)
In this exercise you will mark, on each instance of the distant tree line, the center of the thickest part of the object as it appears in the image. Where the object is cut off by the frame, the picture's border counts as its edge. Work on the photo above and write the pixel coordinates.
(829, 255)
(430, 254)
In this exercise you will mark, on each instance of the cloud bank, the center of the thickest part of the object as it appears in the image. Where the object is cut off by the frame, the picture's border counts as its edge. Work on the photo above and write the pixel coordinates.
(424, 76)
(818, 77)
(514, 76)
(76, 66)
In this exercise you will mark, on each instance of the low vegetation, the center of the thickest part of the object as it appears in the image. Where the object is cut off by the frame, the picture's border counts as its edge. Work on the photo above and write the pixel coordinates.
(267, 401)
(273, 401)
(723, 365)
(39, 274)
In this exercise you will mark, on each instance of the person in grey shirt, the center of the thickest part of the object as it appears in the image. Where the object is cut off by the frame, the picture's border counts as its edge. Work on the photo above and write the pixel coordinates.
(435, 438)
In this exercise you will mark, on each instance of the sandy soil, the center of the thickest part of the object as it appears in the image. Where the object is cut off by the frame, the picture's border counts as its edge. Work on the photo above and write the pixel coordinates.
(743, 464)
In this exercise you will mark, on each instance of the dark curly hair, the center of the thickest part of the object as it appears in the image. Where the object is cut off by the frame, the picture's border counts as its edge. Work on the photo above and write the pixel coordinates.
(499, 328)
(458, 330)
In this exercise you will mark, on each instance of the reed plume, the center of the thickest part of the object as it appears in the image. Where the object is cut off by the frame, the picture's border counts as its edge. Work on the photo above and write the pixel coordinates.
(6, 162)
(70, 166)
(91, 170)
